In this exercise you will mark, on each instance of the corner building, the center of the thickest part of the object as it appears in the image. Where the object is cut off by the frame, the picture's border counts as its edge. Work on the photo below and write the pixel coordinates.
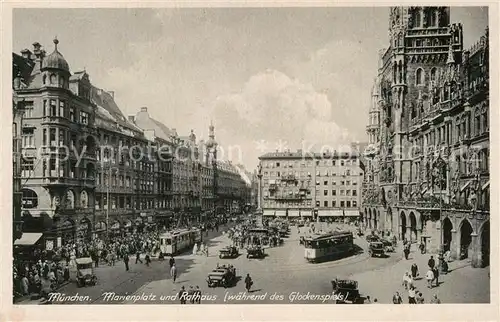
(312, 185)
(427, 173)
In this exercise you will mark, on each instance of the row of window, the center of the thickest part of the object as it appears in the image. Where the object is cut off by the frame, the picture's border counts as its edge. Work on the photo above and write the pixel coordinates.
(309, 163)
(342, 192)
(303, 174)
(333, 203)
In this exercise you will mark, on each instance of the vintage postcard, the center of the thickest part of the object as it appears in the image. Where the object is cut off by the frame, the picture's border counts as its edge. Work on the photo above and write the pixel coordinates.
(214, 155)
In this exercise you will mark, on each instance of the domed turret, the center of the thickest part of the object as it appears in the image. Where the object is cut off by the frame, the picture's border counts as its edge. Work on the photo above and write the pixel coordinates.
(56, 60)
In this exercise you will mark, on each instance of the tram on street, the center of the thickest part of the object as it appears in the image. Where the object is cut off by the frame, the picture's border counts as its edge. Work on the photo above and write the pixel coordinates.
(174, 242)
(328, 246)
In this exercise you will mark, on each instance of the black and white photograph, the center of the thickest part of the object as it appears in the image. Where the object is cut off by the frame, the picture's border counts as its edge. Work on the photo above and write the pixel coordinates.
(250, 155)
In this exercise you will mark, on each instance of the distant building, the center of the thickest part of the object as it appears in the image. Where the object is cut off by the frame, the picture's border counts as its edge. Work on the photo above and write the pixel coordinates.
(297, 184)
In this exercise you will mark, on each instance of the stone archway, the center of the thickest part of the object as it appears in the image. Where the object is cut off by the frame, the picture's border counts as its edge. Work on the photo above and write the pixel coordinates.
(365, 218)
(68, 230)
(485, 244)
(413, 227)
(447, 233)
(402, 225)
(370, 219)
(465, 238)
(375, 220)
(84, 229)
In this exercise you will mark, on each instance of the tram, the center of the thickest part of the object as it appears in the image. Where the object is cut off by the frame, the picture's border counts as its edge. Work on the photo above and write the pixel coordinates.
(174, 242)
(328, 246)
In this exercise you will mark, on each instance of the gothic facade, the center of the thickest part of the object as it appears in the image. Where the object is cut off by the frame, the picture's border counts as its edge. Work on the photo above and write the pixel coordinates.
(427, 168)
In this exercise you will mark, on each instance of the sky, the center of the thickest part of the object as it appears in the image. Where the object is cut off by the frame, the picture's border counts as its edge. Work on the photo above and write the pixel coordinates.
(268, 78)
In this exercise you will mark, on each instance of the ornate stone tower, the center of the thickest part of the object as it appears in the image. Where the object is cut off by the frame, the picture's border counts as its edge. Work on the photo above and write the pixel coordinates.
(211, 156)
(421, 38)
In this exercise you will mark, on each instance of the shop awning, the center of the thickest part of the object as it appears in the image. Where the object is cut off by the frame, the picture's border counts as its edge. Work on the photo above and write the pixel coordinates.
(351, 213)
(306, 213)
(465, 186)
(268, 213)
(28, 239)
(486, 185)
(330, 213)
(280, 213)
(293, 213)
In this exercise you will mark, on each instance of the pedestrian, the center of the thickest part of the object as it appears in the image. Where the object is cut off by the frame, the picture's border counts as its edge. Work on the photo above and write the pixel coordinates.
(125, 260)
(191, 294)
(430, 277)
(431, 263)
(248, 282)
(414, 270)
(197, 295)
(405, 280)
(138, 257)
(445, 268)
(435, 300)
(171, 261)
(368, 300)
(173, 272)
(420, 298)
(147, 259)
(182, 295)
(396, 299)
(422, 248)
(406, 251)
(411, 295)
(435, 271)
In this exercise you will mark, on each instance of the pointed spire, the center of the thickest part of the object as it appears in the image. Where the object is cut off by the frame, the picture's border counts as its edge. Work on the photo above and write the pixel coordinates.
(451, 59)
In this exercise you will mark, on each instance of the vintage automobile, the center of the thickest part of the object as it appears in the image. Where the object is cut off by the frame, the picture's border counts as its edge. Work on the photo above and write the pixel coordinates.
(228, 252)
(224, 276)
(85, 272)
(372, 238)
(376, 249)
(388, 246)
(346, 291)
(255, 252)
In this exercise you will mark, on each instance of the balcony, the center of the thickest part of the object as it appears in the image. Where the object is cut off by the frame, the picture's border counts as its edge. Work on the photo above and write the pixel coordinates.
(289, 178)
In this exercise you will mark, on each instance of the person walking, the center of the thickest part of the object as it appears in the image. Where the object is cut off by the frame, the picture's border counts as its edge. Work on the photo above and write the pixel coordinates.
(414, 270)
(173, 272)
(396, 299)
(248, 282)
(182, 294)
(420, 298)
(125, 260)
(138, 257)
(435, 271)
(147, 259)
(411, 295)
(431, 263)
(430, 277)
(407, 250)
(171, 261)
(197, 293)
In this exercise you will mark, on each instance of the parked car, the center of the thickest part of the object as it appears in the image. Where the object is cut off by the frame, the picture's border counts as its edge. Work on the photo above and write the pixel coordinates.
(376, 249)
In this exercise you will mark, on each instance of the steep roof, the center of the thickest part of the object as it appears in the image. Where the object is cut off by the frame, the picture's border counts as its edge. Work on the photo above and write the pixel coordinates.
(21, 65)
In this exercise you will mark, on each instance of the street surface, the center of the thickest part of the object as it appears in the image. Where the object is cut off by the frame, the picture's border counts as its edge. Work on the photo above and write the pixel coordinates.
(280, 276)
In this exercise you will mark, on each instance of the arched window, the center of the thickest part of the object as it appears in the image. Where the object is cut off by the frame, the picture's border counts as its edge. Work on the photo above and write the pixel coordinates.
(70, 199)
(84, 199)
(417, 18)
(433, 74)
(419, 77)
(44, 79)
(29, 199)
(53, 79)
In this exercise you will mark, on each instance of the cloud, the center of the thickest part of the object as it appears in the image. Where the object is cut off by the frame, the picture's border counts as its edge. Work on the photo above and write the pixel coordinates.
(279, 112)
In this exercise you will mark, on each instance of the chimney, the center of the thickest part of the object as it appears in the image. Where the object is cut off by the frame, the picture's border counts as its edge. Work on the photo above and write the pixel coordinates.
(26, 53)
(112, 93)
(144, 109)
(131, 118)
(36, 47)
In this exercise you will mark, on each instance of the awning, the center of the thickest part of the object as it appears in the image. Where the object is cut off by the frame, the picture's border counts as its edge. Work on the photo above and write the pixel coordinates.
(330, 213)
(486, 185)
(268, 213)
(351, 213)
(293, 213)
(280, 213)
(465, 186)
(306, 213)
(28, 239)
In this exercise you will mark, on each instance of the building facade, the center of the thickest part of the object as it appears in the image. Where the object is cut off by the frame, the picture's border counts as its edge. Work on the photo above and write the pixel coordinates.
(427, 177)
(87, 171)
(297, 184)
